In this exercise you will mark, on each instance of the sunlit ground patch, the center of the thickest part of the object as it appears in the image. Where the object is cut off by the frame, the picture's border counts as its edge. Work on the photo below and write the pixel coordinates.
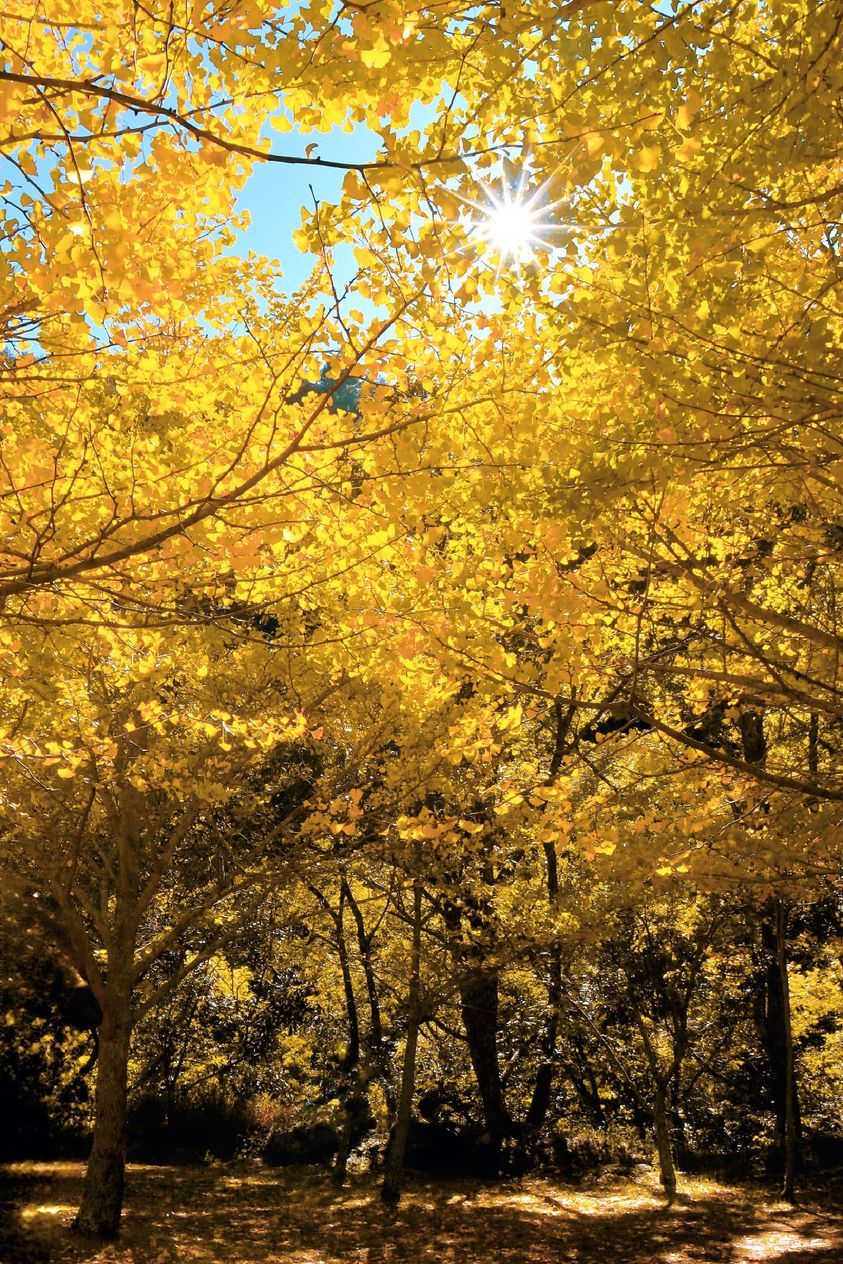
(775, 1244)
(46, 1209)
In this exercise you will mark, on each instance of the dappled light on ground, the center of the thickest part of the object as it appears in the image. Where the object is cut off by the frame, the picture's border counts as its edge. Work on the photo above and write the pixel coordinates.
(247, 1214)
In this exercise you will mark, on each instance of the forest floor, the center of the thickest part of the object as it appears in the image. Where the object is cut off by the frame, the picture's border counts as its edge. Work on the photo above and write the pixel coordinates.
(249, 1214)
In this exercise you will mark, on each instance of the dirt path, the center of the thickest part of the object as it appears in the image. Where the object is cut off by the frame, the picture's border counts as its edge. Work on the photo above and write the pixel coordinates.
(244, 1214)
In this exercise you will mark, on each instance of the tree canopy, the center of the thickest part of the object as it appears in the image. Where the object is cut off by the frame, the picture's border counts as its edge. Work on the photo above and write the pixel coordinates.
(491, 588)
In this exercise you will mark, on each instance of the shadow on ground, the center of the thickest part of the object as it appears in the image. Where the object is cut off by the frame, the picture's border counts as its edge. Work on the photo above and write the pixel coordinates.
(244, 1214)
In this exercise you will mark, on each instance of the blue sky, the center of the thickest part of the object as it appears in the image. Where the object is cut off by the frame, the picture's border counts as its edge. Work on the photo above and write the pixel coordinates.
(275, 194)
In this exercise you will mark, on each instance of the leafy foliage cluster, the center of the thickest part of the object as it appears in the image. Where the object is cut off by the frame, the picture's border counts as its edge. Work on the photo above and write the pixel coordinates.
(485, 682)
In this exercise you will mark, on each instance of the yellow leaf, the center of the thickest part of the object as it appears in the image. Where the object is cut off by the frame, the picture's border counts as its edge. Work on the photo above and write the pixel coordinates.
(647, 158)
(376, 56)
(688, 149)
(688, 110)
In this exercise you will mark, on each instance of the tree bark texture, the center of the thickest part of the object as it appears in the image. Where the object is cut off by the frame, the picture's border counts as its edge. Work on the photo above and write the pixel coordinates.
(477, 983)
(776, 1036)
(377, 1044)
(102, 1197)
(479, 1007)
(661, 1122)
(540, 1101)
(664, 1146)
(394, 1167)
(352, 1053)
(791, 1130)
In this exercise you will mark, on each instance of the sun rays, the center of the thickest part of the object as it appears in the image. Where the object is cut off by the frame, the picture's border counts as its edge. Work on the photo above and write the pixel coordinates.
(516, 223)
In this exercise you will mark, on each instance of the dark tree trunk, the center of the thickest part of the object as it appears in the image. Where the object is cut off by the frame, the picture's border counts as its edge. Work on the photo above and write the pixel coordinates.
(776, 1037)
(594, 1094)
(775, 1023)
(639, 1118)
(170, 1108)
(102, 1197)
(394, 1167)
(478, 990)
(479, 1006)
(352, 1053)
(679, 1133)
(791, 1106)
(540, 1102)
(661, 1122)
(376, 1040)
(664, 1145)
(364, 945)
(586, 1088)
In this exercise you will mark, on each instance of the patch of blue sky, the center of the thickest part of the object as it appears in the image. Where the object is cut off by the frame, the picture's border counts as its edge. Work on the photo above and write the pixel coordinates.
(275, 195)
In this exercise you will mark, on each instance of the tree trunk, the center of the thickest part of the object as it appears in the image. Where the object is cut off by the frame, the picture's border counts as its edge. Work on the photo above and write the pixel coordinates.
(478, 988)
(352, 1053)
(593, 1092)
(639, 1119)
(791, 1135)
(102, 1197)
(479, 1005)
(678, 1131)
(585, 1086)
(776, 1036)
(540, 1102)
(376, 1040)
(776, 1030)
(394, 1167)
(356, 1122)
(664, 1146)
(661, 1123)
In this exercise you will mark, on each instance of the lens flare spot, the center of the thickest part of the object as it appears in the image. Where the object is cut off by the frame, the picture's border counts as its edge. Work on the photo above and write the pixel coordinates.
(515, 223)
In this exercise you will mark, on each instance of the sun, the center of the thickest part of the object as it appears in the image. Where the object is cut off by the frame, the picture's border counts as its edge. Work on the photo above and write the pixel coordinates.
(514, 223)
(512, 228)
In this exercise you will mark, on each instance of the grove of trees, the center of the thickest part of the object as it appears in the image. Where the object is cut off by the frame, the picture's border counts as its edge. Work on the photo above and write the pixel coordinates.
(422, 709)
